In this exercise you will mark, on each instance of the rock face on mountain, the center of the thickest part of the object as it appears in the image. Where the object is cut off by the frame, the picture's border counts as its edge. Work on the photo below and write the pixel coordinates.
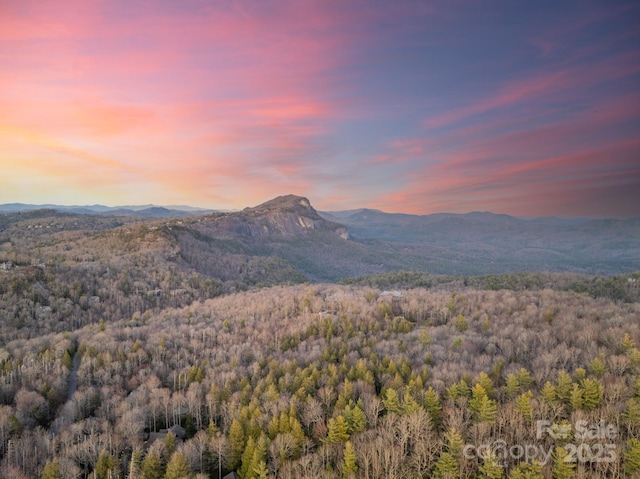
(287, 216)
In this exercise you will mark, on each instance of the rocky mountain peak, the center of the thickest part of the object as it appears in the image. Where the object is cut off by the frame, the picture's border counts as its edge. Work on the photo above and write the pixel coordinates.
(287, 203)
(285, 216)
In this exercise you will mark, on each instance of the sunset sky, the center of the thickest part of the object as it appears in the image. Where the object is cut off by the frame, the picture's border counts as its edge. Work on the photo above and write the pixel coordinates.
(525, 108)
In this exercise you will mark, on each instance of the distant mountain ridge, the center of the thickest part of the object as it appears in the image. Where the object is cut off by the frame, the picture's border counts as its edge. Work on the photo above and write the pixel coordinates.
(287, 238)
(148, 211)
(506, 243)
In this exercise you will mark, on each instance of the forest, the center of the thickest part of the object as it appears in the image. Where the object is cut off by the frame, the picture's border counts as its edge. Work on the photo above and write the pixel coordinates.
(333, 381)
(187, 347)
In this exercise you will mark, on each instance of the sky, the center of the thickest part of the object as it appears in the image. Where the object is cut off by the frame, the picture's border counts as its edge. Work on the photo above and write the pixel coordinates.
(524, 108)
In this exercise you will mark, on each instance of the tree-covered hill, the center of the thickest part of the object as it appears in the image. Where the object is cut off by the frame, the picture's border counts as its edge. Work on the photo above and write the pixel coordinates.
(333, 381)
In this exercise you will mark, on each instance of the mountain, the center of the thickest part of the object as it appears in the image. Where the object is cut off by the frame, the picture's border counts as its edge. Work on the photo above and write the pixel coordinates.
(149, 211)
(283, 217)
(481, 242)
(287, 228)
(287, 240)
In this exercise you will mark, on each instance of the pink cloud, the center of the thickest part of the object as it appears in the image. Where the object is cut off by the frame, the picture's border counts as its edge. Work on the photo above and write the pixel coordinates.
(544, 85)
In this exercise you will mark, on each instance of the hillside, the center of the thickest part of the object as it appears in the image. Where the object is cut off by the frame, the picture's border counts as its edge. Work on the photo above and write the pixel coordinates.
(114, 329)
(61, 271)
(480, 243)
(311, 381)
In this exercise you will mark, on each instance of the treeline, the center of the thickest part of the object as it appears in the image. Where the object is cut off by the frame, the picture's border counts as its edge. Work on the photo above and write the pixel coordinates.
(624, 287)
(333, 381)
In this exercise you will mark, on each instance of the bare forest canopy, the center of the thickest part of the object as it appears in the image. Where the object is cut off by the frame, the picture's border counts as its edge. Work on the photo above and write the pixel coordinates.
(315, 381)
(200, 345)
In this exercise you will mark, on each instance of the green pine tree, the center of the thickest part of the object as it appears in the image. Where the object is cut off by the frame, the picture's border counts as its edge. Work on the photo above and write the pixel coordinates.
(592, 394)
(152, 466)
(576, 397)
(135, 465)
(409, 405)
(355, 417)
(631, 457)
(337, 431)
(483, 408)
(432, 405)
(259, 454)
(490, 468)
(391, 401)
(523, 405)
(579, 374)
(485, 381)
(260, 471)
(525, 470)
(627, 343)
(67, 360)
(454, 443)
(178, 467)
(170, 444)
(525, 379)
(598, 366)
(512, 385)
(349, 466)
(446, 467)
(562, 467)
(631, 414)
(105, 466)
(246, 461)
(236, 443)
(548, 393)
(51, 470)
(564, 386)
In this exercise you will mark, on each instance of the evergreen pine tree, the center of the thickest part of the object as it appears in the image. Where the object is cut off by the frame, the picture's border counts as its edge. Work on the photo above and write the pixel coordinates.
(432, 405)
(170, 444)
(446, 467)
(454, 443)
(152, 466)
(523, 405)
(177, 467)
(490, 468)
(260, 470)
(562, 467)
(525, 470)
(598, 366)
(135, 465)
(349, 466)
(246, 460)
(564, 386)
(548, 393)
(631, 457)
(236, 443)
(483, 408)
(627, 343)
(337, 431)
(593, 393)
(409, 405)
(575, 398)
(485, 381)
(512, 385)
(525, 379)
(391, 401)
(67, 360)
(51, 470)
(631, 414)
(355, 417)
(105, 466)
